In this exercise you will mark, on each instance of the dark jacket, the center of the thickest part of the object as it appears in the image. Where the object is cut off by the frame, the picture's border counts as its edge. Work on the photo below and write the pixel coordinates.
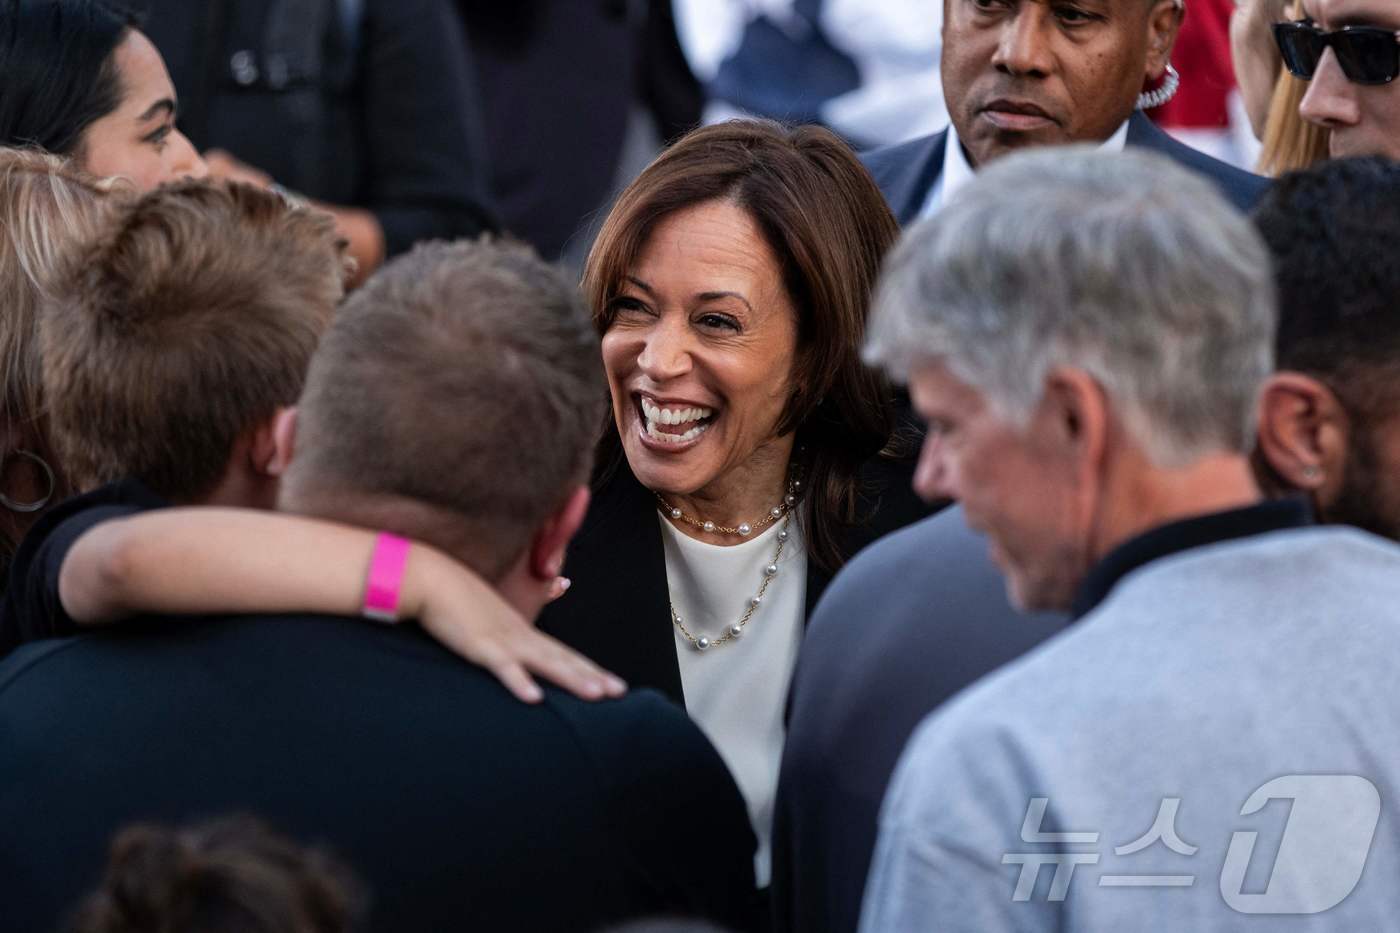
(907, 172)
(459, 806)
(370, 104)
(915, 618)
(559, 83)
(617, 611)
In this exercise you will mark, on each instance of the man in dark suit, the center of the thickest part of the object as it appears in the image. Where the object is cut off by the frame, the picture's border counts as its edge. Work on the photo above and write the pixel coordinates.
(914, 618)
(1017, 74)
(456, 803)
(1023, 73)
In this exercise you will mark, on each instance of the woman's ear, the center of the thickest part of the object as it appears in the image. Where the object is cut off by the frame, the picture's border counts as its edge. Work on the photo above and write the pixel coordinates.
(1303, 433)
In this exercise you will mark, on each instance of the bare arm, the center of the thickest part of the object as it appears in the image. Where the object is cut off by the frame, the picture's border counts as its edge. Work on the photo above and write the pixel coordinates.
(207, 560)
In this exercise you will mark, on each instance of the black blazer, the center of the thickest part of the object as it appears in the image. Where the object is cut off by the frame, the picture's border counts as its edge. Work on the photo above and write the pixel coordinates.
(907, 172)
(459, 806)
(917, 617)
(617, 612)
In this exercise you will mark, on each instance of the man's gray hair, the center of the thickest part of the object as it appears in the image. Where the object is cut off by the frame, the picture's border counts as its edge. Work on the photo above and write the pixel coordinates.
(1125, 266)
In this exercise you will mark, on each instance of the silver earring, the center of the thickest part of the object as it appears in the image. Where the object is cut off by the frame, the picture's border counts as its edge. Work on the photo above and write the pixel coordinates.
(1150, 100)
(39, 503)
(1311, 472)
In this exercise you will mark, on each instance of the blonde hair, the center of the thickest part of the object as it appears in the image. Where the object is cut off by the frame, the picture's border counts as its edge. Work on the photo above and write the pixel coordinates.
(48, 209)
(1290, 143)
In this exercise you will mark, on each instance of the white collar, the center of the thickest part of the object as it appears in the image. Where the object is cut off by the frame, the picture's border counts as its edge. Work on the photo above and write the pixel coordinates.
(957, 171)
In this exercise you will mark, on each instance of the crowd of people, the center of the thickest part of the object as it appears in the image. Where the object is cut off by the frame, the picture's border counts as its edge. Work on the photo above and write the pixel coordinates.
(975, 533)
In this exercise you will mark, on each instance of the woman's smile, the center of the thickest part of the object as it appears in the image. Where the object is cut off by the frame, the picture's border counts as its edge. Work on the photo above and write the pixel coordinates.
(672, 426)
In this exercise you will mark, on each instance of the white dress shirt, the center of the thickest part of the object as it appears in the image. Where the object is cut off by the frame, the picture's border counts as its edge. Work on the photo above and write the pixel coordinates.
(957, 171)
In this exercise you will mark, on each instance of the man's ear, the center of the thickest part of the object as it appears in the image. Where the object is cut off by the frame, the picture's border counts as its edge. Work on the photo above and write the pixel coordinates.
(1163, 23)
(552, 540)
(1075, 411)
(1303, 433)
(284, 433)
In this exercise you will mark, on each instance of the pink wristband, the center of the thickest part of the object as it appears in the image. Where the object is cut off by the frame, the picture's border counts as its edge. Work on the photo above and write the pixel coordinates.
(385, 577)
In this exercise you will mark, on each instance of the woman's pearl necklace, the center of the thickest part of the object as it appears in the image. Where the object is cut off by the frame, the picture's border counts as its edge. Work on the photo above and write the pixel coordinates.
(743, 529)
(770, 569)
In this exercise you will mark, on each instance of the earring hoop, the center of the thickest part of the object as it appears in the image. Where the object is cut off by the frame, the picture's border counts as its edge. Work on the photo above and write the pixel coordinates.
(39, 503)
(1150, 100)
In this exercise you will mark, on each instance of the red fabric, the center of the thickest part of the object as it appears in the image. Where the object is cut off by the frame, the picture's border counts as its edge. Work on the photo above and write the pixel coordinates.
(1202, 55)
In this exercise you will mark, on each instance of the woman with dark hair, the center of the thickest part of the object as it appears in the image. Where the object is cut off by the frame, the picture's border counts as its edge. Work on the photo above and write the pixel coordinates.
(79, 80)
(750, 452)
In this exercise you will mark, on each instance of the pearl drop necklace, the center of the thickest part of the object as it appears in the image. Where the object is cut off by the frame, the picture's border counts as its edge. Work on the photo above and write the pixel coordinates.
(770, 570)
(743, 529)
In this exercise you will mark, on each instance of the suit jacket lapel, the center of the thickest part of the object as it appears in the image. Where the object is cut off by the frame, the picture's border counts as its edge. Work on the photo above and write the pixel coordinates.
(1143, 132)
(908, 182)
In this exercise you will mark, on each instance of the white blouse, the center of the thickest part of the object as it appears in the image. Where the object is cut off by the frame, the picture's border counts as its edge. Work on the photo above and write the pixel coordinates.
(736, 691)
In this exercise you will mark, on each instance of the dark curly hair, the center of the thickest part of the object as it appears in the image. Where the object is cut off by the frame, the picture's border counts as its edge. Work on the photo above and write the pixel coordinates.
(1334, 233)
(228, 876)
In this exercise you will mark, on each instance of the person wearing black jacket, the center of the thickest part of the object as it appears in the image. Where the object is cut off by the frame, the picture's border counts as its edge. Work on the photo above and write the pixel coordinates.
(368, 107)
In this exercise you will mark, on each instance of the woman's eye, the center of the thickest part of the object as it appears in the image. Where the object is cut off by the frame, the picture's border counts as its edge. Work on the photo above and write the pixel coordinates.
(718, 322)
(628, 306)
(161, 137)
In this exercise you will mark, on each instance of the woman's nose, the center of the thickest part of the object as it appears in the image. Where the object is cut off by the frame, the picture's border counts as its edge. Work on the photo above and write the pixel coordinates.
(188, 162)
(666, 354)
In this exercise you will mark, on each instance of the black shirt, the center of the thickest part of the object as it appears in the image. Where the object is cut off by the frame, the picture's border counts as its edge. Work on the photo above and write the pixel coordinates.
(460, 807)
(1183, 535)
(31, 608)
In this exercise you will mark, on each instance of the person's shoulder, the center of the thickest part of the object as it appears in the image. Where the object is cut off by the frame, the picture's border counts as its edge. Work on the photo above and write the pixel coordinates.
(979, 751)
(31, 660)
(636, 746)
(1244, 189)
(31, 607)
(1327, 562)
(642, 729)
(124, 497)
(886, 161)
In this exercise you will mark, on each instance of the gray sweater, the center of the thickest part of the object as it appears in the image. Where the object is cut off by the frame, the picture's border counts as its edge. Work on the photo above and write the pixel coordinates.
(1266, 665)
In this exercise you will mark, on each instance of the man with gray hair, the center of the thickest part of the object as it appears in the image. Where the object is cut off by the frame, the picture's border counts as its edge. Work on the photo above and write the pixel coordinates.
(1086, 336)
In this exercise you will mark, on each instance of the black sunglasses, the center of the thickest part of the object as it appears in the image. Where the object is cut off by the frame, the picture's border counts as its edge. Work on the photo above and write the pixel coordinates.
(1367, 54)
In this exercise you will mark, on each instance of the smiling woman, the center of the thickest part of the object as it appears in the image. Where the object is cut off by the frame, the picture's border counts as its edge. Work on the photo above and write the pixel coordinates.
(749, 452)
(77, 79)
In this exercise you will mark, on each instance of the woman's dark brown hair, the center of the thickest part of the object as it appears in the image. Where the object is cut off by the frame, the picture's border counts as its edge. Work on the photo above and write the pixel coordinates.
(826, 221)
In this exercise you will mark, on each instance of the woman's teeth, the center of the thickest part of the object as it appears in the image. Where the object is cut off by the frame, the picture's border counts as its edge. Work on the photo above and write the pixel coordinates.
(671, 415)
(666, 438)
(655, 416)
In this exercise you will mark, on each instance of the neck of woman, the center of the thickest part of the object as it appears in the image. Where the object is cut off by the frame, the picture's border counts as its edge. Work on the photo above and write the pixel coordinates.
(743, 495)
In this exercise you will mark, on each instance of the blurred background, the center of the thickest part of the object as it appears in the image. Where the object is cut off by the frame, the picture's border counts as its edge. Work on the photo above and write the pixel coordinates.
(443, 118)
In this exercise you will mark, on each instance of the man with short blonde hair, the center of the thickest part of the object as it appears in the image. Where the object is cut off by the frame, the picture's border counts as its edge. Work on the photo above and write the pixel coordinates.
(185, 327)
